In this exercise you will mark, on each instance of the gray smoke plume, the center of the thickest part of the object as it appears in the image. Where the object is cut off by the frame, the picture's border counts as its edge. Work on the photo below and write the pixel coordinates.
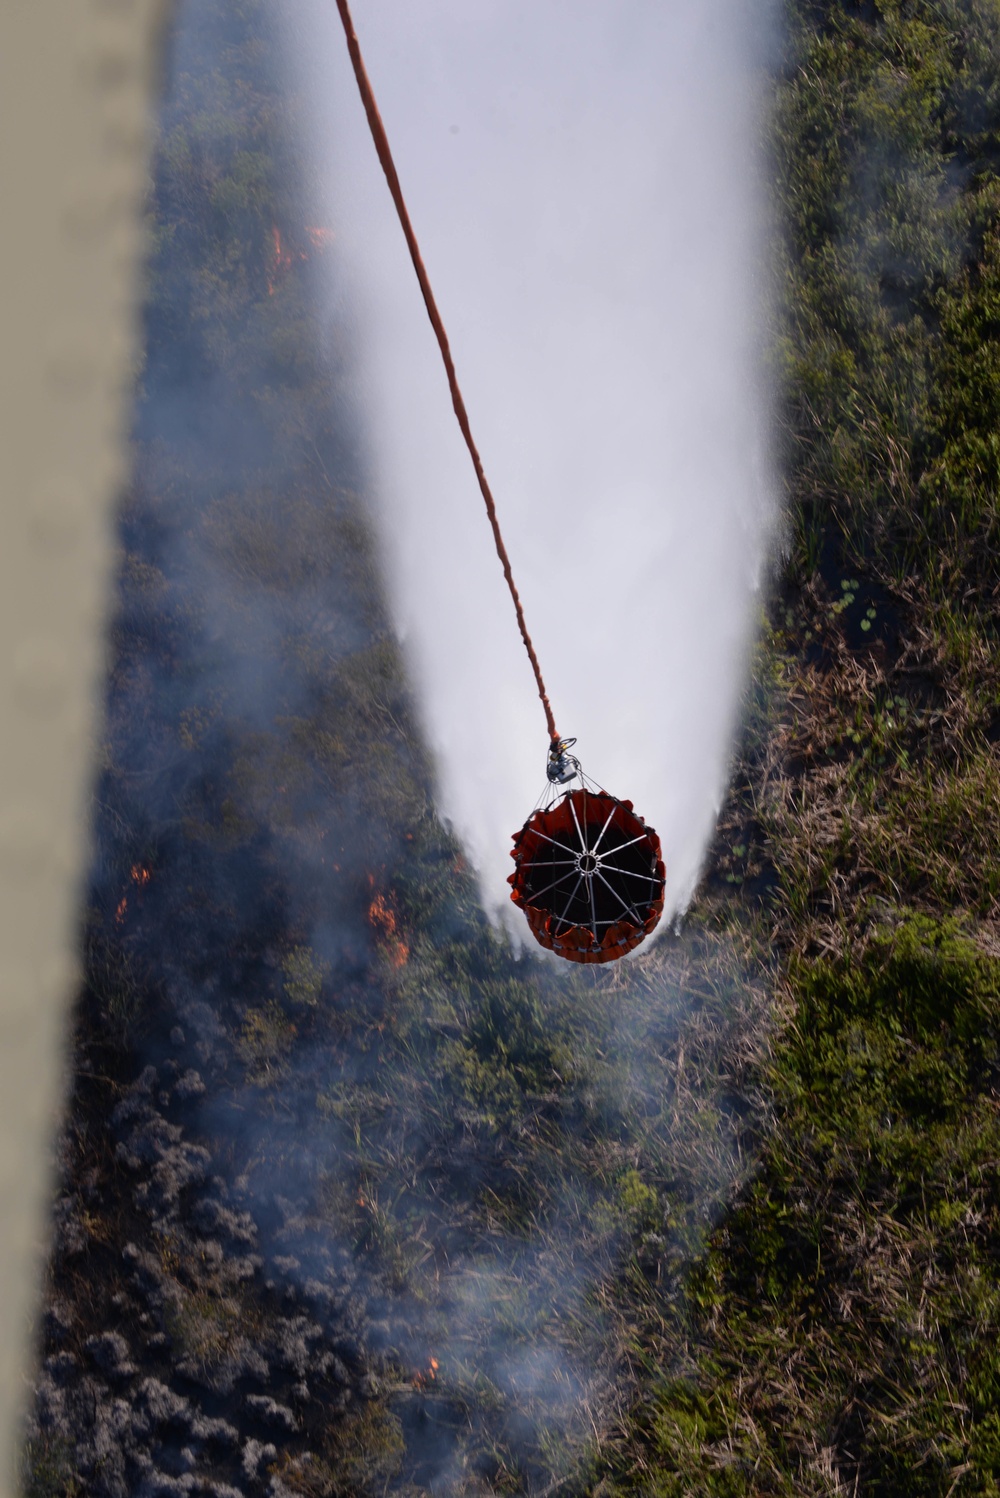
(584, 181)
(379, 1173)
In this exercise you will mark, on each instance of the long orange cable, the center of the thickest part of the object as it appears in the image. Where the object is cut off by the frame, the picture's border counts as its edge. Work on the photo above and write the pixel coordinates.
(388, 166)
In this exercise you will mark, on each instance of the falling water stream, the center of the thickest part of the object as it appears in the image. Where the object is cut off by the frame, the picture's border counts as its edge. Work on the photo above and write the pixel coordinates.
(584, 181)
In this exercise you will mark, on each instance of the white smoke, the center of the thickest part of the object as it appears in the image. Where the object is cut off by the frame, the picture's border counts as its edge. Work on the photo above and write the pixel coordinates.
(584, 181)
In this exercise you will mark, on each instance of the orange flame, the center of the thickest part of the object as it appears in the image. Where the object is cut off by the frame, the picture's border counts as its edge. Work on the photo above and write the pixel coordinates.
(382, 916)
(280, 261)
(121, 910)
(382, 919)
(424, 1376)
(140, 874)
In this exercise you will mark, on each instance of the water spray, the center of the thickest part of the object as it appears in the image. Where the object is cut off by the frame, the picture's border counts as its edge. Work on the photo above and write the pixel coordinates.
(609, 909)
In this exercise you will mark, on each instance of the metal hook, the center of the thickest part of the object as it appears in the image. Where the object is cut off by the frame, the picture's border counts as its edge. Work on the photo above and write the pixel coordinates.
(561, 767)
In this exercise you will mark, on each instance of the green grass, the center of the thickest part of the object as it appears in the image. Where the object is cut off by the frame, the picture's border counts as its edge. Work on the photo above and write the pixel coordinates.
(885, 140)
(846, 1312)
(838, 1332)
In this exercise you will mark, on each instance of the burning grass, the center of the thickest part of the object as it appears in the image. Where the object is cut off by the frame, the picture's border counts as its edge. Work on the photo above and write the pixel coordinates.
(383, 921)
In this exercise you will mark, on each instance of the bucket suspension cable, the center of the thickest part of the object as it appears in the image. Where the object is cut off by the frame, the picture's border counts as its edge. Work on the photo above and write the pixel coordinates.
(389, 168)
